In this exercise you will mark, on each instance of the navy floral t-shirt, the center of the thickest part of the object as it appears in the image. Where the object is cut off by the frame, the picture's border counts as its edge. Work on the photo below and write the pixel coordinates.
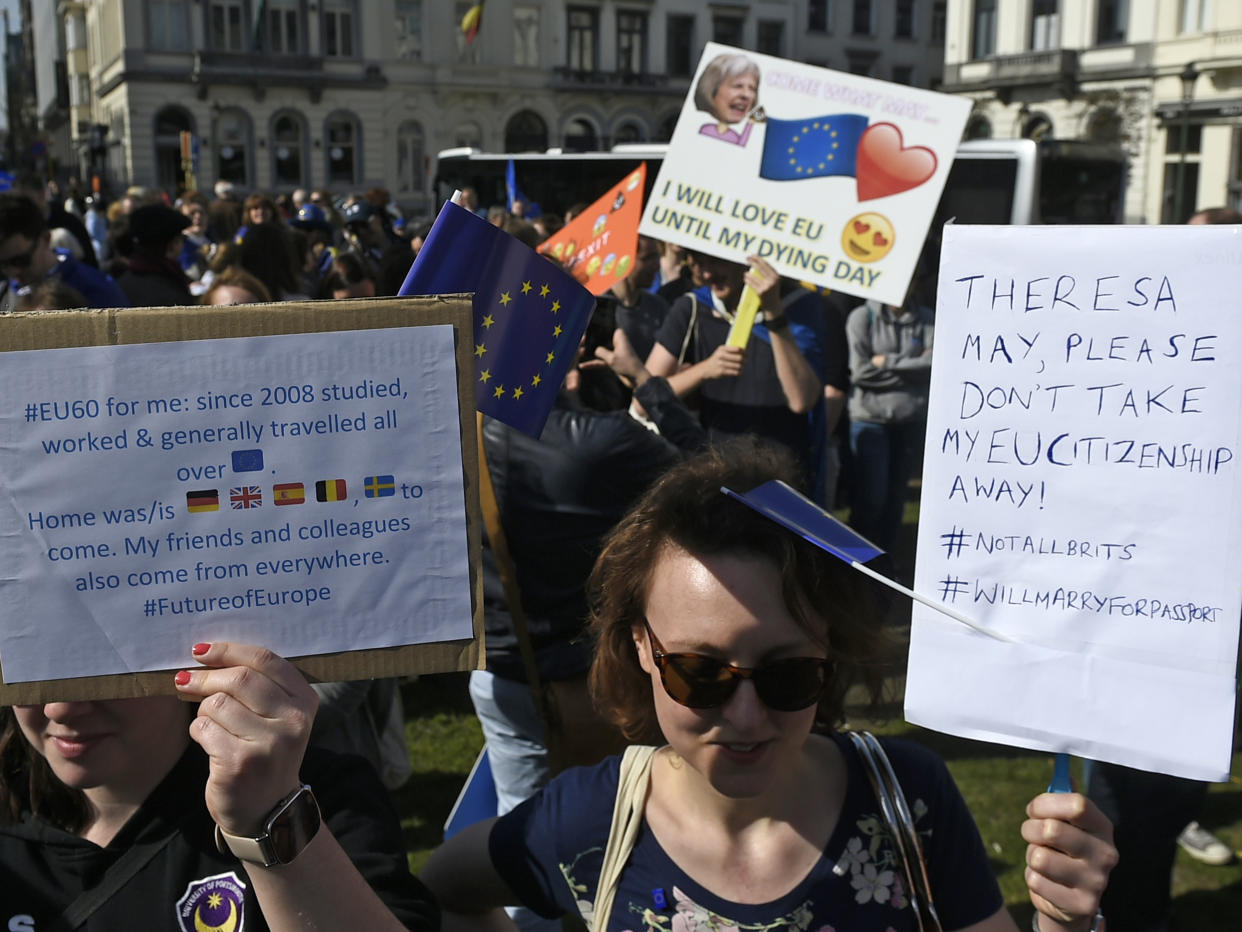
(550, 849)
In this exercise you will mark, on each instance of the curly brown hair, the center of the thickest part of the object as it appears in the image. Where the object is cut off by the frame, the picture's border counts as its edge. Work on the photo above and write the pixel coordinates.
(685, 509)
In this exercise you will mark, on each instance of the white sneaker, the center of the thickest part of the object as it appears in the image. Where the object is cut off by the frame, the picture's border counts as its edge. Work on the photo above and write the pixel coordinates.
(1203, 846)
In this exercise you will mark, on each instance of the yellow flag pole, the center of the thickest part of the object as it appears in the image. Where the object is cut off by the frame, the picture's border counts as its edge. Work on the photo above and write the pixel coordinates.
(744, 319)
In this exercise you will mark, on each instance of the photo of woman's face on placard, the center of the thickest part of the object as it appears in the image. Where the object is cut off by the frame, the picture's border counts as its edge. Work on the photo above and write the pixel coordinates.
(728, 88)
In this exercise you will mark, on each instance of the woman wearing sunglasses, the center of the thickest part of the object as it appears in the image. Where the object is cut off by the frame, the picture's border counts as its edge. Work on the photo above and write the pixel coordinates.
(738, 640)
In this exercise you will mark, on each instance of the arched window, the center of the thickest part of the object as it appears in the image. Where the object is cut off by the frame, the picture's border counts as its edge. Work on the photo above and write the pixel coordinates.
(629, 131)
(978, 127)
(411, 168)
(526, 132)
(580, 136)
(234, 144)
(1037, 127)
(342, 134)
(170, 123)
(288, 150)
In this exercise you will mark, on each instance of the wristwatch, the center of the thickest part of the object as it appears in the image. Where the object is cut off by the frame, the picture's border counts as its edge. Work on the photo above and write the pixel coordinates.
(287, 829)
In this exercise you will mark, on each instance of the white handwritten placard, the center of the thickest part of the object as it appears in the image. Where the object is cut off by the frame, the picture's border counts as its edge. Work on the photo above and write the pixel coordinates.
(302, 491)
(831, 177)
(1082, 493)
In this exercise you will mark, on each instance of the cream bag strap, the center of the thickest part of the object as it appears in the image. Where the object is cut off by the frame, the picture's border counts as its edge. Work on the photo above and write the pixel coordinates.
(627, 818)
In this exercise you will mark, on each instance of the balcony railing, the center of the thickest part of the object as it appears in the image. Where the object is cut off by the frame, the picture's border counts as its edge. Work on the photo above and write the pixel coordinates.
(1058, 67)
(566, 76)
(1025, 67)
(249, 62)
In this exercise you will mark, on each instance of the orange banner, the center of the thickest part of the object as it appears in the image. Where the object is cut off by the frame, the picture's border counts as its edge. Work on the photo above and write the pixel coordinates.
(599, 246)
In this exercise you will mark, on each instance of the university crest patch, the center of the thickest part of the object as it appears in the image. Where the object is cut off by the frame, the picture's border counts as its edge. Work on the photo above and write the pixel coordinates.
(212, 904)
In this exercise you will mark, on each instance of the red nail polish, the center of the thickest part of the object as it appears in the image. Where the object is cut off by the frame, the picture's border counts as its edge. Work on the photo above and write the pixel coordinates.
(182, 678)
(200, 649)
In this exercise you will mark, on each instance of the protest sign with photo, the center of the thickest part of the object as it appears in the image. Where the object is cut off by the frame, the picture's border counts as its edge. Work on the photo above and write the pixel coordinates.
(303, 491)
(1081, 494)
(598, 247)
(830, 177)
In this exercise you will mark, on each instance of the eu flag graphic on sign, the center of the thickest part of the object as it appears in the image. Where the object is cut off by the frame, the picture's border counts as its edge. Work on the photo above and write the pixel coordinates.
(817, 147)
(528, 314)
(247, 460)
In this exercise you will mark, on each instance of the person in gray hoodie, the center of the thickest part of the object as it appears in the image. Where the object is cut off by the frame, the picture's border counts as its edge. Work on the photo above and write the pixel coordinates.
(890, 368)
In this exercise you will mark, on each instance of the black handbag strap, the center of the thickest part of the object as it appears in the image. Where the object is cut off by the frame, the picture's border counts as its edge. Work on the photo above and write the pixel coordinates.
(121, 872)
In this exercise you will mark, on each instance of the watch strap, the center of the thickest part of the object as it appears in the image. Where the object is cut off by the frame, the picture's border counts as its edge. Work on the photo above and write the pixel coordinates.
(254, 850)
(260, 849)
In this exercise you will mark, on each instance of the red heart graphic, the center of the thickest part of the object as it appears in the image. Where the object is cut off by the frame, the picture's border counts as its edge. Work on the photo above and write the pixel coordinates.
(884, 167)
(879, 240)
(860, 227)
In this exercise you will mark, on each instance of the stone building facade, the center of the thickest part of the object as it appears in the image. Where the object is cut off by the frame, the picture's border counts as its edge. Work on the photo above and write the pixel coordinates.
(345, 94)
(1161, 77)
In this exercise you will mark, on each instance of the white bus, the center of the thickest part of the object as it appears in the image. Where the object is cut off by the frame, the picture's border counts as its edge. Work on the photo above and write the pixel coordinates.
(991, 181)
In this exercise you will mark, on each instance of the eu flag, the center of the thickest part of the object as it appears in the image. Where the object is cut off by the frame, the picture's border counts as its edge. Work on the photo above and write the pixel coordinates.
(816, 147)
(529, 315)
(530, 210)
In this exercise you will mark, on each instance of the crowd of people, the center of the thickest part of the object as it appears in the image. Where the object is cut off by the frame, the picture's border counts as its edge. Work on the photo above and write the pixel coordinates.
(625, 601)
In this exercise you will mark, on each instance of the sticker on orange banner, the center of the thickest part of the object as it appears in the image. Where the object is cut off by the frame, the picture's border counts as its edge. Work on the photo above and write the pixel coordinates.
(599, 246)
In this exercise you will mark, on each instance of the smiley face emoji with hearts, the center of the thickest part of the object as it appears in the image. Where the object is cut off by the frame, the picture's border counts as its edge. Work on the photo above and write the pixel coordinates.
(868, 237)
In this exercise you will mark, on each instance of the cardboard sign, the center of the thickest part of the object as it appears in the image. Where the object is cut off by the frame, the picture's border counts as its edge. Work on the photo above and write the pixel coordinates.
(599, 247)
(831, 177)
(1082, 494)
(236, 474)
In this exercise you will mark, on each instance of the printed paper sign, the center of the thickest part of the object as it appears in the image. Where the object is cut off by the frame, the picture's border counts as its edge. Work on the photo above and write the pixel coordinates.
(598, 247)
(831, 177)
(301, 491)
(1081, 494)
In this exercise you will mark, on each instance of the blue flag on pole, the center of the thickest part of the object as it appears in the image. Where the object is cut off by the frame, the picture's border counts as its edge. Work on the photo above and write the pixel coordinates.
(530, 210)
(529, 316)
(786, 507)
(817, 147)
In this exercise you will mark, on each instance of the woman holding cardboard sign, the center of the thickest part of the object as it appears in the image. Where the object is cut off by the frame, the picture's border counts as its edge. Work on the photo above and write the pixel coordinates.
(732, 637)
(154, 813)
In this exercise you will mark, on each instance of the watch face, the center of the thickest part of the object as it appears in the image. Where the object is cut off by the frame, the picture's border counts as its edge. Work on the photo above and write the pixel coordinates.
(294, 826)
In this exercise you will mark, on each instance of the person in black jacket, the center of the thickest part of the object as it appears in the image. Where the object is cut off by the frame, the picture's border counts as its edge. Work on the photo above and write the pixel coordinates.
(155, 277)
(558, 496)
(144, 813)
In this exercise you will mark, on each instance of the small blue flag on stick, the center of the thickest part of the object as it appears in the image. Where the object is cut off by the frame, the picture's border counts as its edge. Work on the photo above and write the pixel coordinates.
(530, 210)
(786, 507)
(780, 503)
(529, 315)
